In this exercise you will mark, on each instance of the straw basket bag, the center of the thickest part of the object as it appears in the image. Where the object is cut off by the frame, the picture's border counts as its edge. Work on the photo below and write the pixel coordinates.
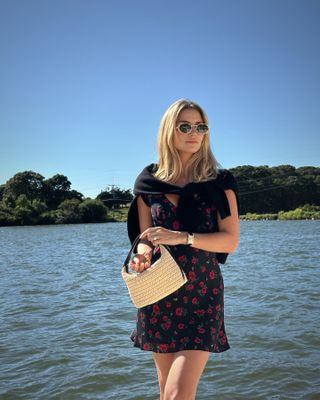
(163, 277)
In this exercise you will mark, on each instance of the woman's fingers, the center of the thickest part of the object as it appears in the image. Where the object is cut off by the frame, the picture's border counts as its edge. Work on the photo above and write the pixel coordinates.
(140, 262)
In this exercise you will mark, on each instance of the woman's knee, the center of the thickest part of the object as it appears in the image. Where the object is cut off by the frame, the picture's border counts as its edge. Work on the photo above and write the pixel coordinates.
(178, 392)
(163, 364)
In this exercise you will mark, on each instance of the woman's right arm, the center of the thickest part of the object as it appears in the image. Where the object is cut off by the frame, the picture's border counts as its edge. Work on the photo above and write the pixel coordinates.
(144, 249)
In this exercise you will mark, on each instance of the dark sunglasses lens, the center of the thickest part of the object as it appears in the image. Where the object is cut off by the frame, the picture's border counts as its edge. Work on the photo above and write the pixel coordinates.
(202, 128)
(185, 128)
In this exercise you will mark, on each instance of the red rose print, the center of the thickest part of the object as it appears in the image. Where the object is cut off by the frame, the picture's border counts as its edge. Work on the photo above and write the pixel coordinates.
(185, 299)
(211, 275)
(179, 311)
(204, 290)
(150, 332)
(157, 335)
(180, 326)
(172, 345)
(195, 300)
(192, 276)
(163, 347)
(197, 340)
(201, 284)
(154, 320)
(156, 309)
(215, 291)
(203, 268)
(165, 318)
(209, 310)
(168, 304)
(146, 346)
(201, 330)
(167, 324)
(182, 258)
(190, 287)
(218, 307)
(200, 312)
(216, 349)
(194, 260)
(142, 315)
(175, 225)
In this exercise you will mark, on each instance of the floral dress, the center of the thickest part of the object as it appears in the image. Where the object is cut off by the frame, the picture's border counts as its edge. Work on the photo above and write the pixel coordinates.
(191, 318)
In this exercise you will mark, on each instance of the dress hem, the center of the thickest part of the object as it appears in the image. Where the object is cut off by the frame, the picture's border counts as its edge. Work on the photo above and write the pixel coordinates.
(156, 350)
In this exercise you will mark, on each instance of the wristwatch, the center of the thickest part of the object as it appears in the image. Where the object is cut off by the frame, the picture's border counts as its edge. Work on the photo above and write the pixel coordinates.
(190, 240)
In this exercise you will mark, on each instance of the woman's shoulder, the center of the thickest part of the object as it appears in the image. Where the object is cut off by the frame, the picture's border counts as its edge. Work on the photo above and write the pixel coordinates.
(226, 179)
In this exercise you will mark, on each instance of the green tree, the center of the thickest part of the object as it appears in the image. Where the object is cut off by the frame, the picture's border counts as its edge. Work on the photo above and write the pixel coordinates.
(57, 189)
(24, 212)
(93, 211)
(6, 215)
(28, 183)
(2, 191)
(68, 212)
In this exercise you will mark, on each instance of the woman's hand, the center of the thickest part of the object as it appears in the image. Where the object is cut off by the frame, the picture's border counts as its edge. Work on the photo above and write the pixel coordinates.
(140, 262)
(159, 235)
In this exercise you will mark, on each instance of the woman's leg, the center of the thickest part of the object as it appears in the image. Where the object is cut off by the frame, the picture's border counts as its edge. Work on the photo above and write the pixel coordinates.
(184, 374)
(163, 363)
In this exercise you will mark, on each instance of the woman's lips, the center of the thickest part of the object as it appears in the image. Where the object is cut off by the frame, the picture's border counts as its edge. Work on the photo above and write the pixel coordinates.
(191, 141)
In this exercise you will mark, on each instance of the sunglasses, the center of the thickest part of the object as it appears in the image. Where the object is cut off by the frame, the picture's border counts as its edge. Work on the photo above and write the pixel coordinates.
(186, 127)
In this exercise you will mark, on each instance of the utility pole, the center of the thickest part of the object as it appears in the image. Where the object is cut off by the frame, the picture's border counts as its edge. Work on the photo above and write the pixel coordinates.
(113, 196)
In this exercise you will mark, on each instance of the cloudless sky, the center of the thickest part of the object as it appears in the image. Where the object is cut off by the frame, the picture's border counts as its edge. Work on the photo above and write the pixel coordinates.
(84, 84)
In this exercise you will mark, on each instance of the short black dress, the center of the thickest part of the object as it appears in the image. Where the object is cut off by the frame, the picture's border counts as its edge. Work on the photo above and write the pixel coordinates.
(192, 318)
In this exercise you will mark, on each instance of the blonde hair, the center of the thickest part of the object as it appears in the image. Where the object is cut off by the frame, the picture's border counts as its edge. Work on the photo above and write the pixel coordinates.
(202, 164)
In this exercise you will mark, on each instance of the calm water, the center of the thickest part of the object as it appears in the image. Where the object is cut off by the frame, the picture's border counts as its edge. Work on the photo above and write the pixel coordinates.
(66, 316)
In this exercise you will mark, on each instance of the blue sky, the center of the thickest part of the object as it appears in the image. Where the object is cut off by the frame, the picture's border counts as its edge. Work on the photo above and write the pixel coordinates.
(84, 84)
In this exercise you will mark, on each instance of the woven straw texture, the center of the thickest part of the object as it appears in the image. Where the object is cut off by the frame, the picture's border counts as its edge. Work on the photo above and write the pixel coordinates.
(161, 279)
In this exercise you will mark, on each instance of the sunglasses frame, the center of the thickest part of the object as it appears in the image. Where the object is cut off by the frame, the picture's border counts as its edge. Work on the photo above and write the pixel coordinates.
(192, 126)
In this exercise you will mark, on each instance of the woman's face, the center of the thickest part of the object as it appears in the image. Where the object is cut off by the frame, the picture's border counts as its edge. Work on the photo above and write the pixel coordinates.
(188, 142)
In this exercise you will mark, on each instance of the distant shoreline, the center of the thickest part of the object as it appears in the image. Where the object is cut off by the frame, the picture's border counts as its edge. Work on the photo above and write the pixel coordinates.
(120, 215)
(293, 215)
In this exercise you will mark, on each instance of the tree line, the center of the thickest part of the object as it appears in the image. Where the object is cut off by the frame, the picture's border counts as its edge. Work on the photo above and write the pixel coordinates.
(265, 189)
(29, 199)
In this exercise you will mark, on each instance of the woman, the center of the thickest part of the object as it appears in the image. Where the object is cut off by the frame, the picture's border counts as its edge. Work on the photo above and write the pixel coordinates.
(185, 202)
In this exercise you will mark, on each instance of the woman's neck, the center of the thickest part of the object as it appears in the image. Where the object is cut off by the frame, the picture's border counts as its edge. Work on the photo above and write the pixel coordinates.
(184, 158)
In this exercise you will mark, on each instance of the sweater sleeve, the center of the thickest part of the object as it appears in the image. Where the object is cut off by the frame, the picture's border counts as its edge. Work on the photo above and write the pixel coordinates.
(228, 181)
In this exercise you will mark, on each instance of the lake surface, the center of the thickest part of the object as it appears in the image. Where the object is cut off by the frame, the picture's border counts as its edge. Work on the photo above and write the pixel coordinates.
(66, 316)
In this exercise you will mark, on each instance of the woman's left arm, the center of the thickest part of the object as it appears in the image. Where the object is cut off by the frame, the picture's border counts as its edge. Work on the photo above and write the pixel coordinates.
(227, 239)
(224, 241)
